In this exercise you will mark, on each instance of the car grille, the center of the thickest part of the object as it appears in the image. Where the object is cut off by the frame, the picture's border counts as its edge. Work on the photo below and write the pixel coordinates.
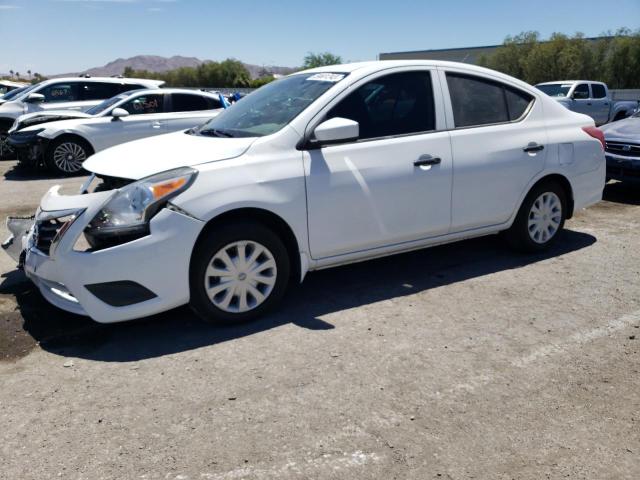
(45, 232)
(623, 149)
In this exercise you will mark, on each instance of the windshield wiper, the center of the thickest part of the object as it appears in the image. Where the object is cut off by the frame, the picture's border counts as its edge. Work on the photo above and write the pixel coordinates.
(216, 132)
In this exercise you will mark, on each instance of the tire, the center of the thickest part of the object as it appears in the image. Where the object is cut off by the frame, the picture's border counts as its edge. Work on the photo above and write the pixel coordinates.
(535, 232)
(241, 300)
(65, 155)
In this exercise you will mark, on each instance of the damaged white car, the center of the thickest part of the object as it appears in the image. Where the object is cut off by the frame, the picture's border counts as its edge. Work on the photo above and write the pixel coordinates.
(321, 168)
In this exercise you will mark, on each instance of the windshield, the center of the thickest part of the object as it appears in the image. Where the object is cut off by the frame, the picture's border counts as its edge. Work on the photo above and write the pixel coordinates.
(271, 107)
(101, 107)
(555, 89)
(18, 91)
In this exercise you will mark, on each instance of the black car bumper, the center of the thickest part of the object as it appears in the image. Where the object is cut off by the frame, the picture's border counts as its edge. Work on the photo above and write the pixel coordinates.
(29, 147)
(625, 169)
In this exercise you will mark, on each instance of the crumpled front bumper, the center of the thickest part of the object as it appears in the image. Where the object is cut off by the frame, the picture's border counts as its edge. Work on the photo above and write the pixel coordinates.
(75, 280)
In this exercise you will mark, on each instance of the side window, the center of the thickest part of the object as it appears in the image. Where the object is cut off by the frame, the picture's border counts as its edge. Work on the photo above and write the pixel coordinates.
(183, 102)
(581, 92)
(126, 87)
(99, 90)
(396, 104)
(60, 92)
(598, 90)
(476, 101)
(144, 104)
(517, 102)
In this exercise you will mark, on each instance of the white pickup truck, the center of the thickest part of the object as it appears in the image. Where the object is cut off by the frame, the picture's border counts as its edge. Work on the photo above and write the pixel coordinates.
(590, 98)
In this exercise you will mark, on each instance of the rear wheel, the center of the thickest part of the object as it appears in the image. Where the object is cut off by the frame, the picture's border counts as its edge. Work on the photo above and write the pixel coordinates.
(239, 272)
(66, 155)
(540, 218)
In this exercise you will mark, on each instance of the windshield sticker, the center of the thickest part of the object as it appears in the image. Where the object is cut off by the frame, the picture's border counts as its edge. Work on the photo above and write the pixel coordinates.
(326, 77)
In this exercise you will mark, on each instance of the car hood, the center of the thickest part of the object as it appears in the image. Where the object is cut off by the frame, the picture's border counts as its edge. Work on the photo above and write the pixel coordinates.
(36, 118)
(629, 128)
(141, 158)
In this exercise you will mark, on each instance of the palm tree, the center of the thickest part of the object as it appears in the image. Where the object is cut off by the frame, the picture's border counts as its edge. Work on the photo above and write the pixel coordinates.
(29, 73)
(11, 72)
(18, 75)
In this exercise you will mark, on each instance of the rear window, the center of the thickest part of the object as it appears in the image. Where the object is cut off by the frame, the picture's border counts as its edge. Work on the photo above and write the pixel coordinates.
(99, 90)
(145, 104)
(184, 102)
(598, 90)
(477, 101)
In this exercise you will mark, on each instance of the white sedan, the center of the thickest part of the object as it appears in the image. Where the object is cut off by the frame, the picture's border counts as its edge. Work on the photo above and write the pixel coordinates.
(64, 139)
(321, 168)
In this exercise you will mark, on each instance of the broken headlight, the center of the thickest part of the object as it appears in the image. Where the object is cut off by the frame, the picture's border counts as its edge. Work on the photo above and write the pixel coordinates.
(126, 215)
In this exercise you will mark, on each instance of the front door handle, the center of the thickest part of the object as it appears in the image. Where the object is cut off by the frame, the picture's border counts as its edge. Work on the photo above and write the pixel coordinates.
(533, 147)
(156, 125)
(426, 160)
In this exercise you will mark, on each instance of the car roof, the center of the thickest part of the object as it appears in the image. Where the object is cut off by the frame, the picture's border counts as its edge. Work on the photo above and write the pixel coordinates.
(570, 81)
(105, 80)
(173, 90)
(362, 69)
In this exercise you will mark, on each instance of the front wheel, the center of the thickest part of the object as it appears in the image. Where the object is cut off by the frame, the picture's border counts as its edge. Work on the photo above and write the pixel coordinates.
(238, 272)
(65, 156)
(540, 218)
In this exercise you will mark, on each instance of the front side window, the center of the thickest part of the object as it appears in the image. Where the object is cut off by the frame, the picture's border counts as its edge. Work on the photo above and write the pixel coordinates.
(183, 102)
(144, 104)
(60, 92)
(598, 90)
(99, 90)
(581, 92)
(396, 104)
(477, 101)
(271, 107)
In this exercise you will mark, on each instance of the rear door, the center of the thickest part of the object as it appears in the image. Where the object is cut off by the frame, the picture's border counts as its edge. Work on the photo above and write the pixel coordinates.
(600, 103)
(498, 144)
(191, 109)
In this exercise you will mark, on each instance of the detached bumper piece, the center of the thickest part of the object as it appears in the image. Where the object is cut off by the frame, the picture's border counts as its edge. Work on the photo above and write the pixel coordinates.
(121, 294)
(19, 228)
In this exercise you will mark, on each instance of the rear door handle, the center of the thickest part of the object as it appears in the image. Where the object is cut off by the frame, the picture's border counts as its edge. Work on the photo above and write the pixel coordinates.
(533, 147)
(426, 160)
(156, 124)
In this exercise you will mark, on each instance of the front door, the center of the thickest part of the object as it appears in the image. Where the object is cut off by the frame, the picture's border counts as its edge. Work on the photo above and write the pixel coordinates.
(374, 192)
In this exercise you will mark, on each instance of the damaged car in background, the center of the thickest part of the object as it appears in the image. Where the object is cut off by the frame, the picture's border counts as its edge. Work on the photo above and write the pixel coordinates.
(62, 140)
(318, 169)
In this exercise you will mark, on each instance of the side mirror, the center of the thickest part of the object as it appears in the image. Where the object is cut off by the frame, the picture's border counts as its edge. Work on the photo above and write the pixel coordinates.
(35, 98)
(337, 130)
(119, 113)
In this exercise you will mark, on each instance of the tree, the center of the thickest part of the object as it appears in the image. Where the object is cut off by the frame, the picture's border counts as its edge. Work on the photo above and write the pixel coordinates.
(29, 73)
(11, 72)
(614, 59)
(313, 60)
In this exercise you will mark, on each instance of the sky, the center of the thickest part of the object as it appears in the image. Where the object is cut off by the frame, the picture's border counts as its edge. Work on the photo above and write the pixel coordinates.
(59, 36)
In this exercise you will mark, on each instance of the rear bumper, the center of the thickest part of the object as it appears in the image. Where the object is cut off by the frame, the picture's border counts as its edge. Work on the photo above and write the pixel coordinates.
(623, 168)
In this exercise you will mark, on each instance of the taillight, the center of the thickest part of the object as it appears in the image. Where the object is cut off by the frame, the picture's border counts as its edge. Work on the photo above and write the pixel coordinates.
(595, 133)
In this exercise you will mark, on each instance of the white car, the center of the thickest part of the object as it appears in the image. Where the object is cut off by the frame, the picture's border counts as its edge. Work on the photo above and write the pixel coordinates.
(321, 168)
(74, 93)
(63, 139)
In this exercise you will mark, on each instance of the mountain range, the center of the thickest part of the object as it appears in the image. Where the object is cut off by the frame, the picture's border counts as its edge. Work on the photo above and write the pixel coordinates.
(156, 63)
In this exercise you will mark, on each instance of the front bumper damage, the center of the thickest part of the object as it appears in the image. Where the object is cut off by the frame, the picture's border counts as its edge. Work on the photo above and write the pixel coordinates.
(131, 280)
(29, 149)
(623, 168)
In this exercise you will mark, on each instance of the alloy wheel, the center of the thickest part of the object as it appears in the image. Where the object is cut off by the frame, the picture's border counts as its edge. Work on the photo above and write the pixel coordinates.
(69, 156)
(240, 276)
(545, 217)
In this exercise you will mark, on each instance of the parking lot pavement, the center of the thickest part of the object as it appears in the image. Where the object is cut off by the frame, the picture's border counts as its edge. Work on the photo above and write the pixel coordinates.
(461, 361)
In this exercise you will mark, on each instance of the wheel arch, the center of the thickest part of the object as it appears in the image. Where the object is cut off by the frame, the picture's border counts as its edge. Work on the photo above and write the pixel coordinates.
(270, 220)
(70, 135)
(563, 181)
